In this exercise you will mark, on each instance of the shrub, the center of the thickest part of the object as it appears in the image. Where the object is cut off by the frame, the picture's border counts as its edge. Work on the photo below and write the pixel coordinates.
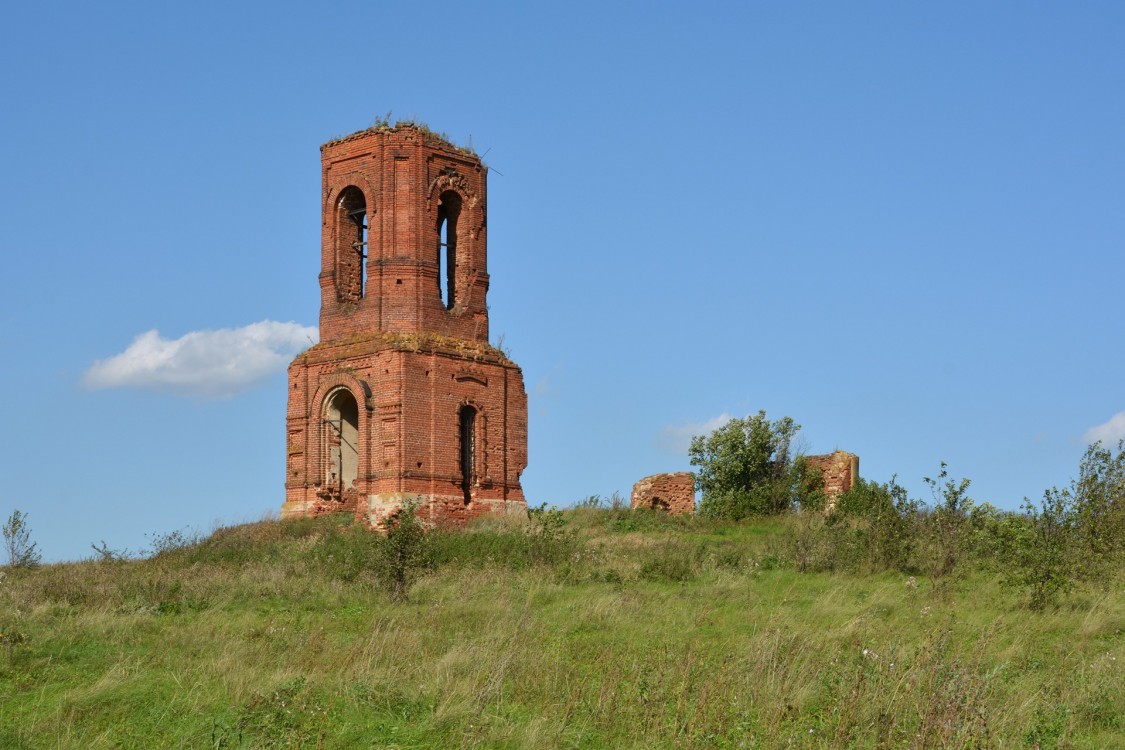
(888, 518)
(1041, 557)
(1098, 498)
(745, 468)
(808, 485)
(22, 552)
(1076, 533)
(816, 546)
(173, 541)
(107, 555)
(946, 525)
(402, 553)
(867, 499)
(550, 541)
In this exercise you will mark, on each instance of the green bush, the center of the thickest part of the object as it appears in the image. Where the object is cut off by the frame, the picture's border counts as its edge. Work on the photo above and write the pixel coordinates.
(807, 482)
(21, 551)
(1076, 533)
(745, 469)
(737, 504)
(884, 521)
(551, 542)
(944, 528)
(1098, 497)
(401, 554)
(868, 499)
(1042, 560)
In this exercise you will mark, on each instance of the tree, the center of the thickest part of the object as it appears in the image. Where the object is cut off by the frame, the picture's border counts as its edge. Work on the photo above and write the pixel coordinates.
(745, 468)
(948, 521)
(1040, 547)
(17, 542)
(1099, 504)
(1075, 534)
(403, 552)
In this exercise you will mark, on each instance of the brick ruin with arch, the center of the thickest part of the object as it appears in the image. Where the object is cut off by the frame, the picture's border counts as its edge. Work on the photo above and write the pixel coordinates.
(404, 399)
(675, 492)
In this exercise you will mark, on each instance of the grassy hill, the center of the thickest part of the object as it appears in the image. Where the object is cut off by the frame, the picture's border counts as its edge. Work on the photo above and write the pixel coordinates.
(593, 628)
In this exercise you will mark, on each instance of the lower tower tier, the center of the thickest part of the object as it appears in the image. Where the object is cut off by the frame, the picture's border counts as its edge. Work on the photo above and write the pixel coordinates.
(380, 420)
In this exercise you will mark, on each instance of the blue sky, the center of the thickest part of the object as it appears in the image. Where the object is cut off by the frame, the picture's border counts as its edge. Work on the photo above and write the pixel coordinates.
(901, 224)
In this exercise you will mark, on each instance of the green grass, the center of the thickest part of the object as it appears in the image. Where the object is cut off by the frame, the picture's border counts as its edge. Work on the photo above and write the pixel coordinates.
(621, 630)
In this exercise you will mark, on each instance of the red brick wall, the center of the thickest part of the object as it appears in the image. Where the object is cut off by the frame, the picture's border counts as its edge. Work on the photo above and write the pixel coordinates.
(674, 493)
(402, 173)
(840, 469)
(410, 363)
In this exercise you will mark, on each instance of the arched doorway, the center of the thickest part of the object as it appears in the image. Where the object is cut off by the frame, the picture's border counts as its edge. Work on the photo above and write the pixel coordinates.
(341, 440)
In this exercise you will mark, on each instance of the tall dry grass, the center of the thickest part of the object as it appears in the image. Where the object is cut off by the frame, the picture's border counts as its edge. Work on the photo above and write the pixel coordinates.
(618, 632)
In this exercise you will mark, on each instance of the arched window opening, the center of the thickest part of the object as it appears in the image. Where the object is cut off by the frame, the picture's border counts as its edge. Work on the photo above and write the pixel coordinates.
(341, 441)
(351, 245)
(468, 451)
(359, 218)
(443, 262)
(449, 209)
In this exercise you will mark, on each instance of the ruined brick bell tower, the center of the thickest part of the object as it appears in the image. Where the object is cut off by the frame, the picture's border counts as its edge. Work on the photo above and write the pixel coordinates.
(404, 398)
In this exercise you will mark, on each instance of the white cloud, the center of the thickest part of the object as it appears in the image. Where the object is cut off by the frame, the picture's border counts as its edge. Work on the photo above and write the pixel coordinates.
(1109, 432)
(208, 364)
(677, 438)
(543, 393)
(543, 388)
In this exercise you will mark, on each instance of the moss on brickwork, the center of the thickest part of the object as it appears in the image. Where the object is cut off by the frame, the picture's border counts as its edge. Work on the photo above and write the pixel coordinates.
(383, 125)
(421, 342)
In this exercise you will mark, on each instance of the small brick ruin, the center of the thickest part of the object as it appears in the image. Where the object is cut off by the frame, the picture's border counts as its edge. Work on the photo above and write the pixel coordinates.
(674, 493)
(404, 399)
(840, 470)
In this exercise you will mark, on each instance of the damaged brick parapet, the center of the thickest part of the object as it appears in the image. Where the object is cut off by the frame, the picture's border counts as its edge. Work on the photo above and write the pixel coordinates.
(674, 493)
